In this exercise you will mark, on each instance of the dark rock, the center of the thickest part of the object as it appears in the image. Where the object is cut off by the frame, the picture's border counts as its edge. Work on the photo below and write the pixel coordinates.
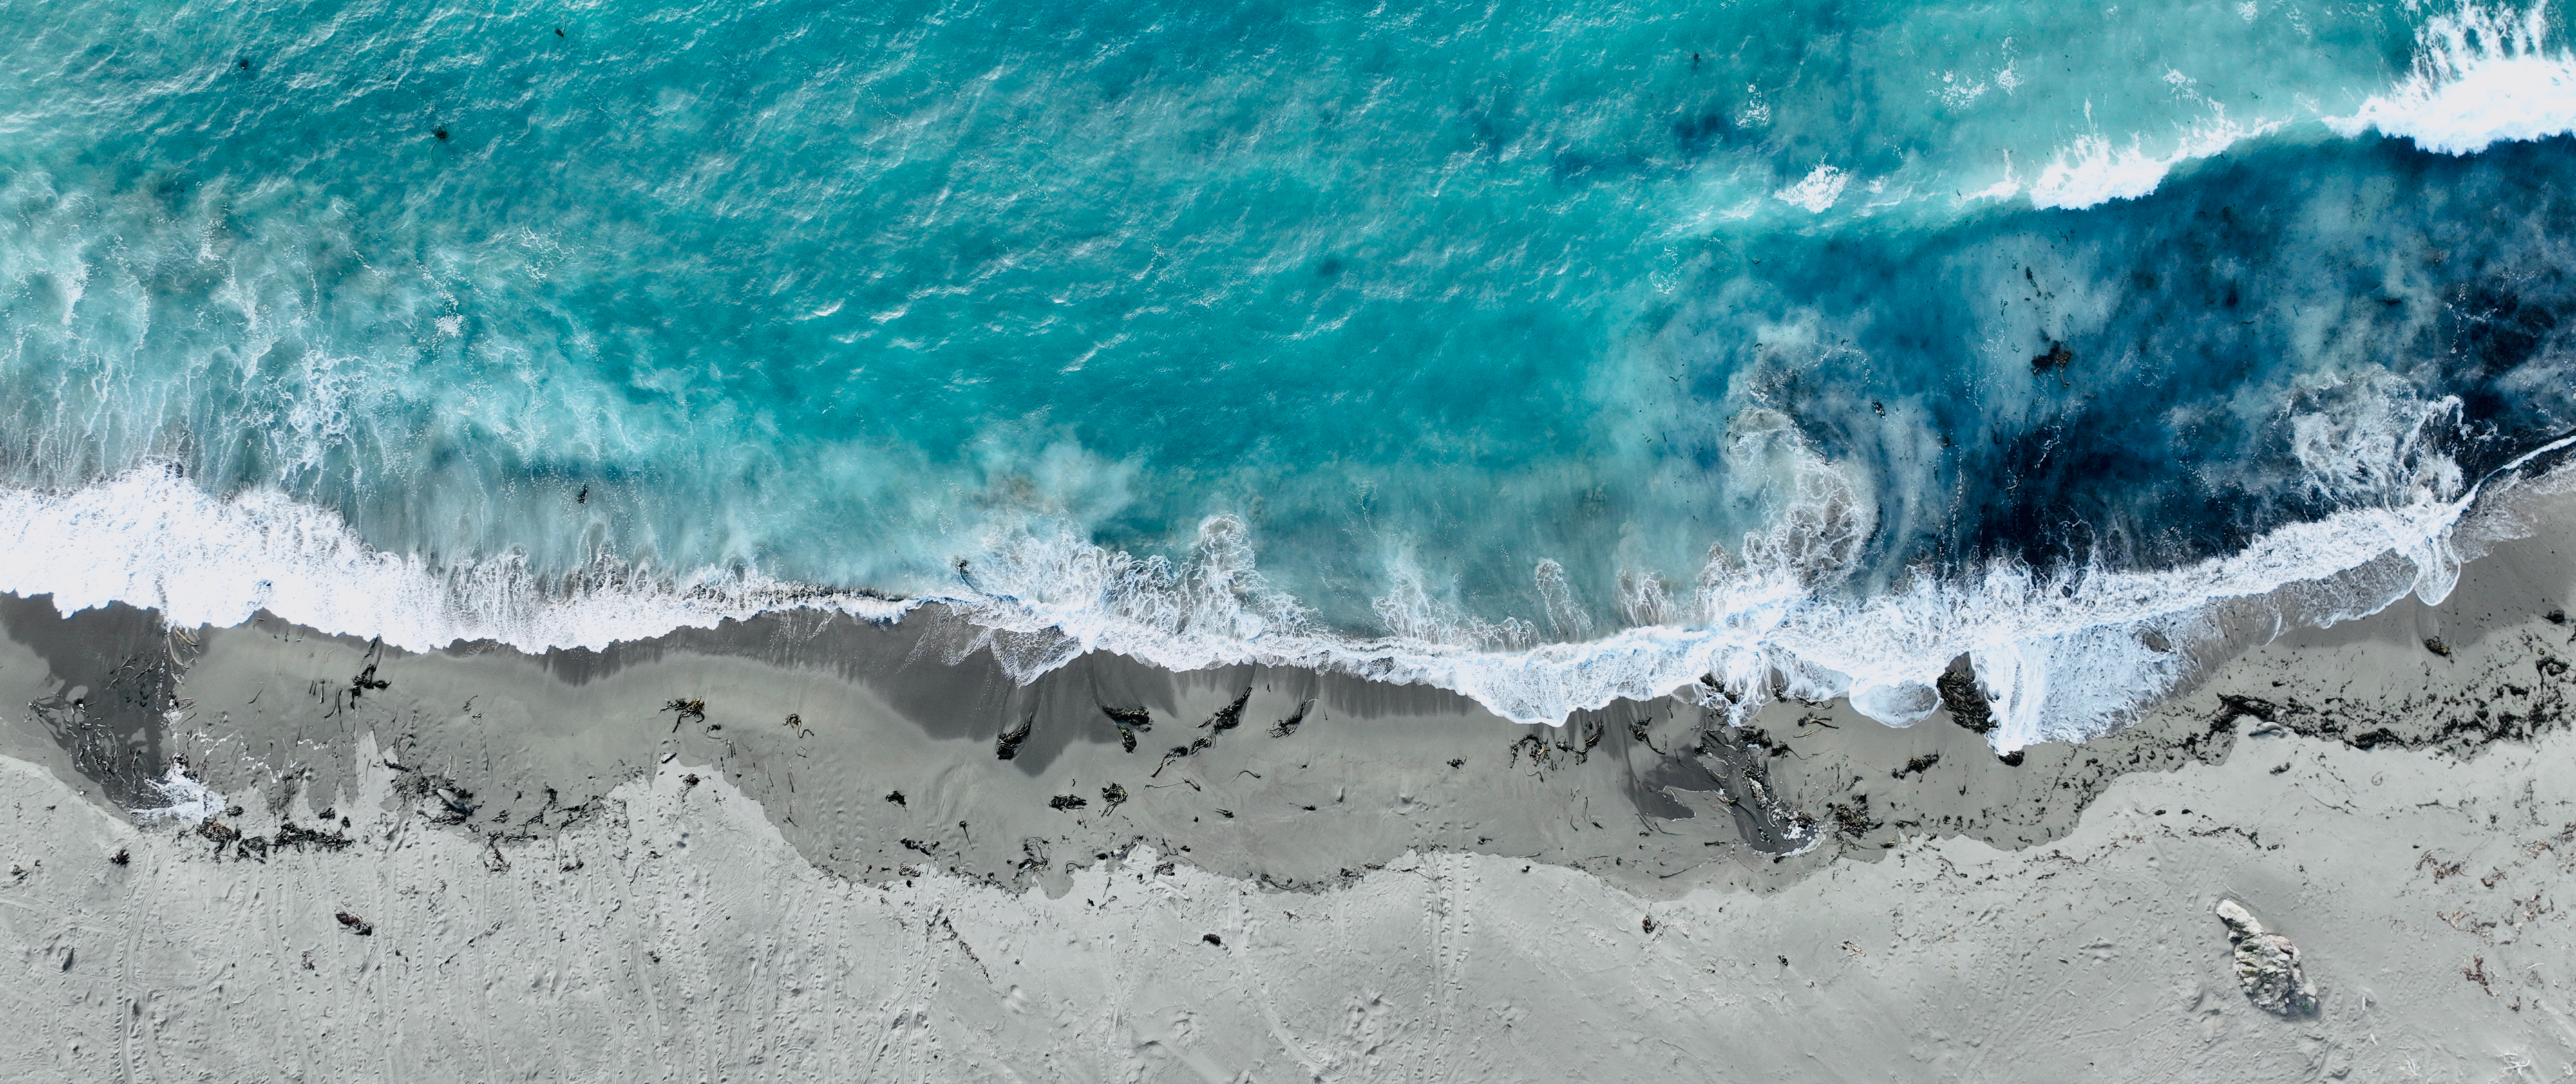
(1229, 716)
(1008, 745)
(1967, 703)
(2055, 360)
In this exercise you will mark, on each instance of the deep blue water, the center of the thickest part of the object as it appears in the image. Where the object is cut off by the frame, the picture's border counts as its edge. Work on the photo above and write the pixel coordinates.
(1355, 335)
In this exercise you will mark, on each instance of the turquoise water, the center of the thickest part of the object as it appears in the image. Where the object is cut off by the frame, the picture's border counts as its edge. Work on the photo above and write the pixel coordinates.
(1362, 332)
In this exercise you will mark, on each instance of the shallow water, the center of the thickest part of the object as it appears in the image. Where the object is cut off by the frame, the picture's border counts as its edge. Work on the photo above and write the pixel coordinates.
(1545, 353)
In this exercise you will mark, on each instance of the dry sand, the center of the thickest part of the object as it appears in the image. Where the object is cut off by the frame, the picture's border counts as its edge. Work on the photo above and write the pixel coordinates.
(563, 876)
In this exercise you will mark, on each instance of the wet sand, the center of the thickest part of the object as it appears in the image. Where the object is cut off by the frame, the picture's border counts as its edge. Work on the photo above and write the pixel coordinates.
(703, 821)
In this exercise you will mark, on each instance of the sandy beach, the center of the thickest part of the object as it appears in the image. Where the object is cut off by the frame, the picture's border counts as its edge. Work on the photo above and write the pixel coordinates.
(794, 848)
(1177, 541)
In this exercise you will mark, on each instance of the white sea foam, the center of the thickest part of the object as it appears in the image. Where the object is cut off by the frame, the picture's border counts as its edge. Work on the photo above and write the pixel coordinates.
(2064, 658)
(182, 798)
(2093, 170)
(148, 537)
(2480, 76)
(1818, 191)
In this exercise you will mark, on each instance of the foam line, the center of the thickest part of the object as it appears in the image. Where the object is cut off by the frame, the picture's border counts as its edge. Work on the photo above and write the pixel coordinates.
(2093, 171)
(2064, 658)
(150, 538)
(2479, 77)
(182, 799)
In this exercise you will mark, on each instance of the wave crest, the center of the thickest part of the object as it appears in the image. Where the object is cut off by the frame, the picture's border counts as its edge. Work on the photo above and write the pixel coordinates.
(148, 537)
(2480, 76)
(2063, 656)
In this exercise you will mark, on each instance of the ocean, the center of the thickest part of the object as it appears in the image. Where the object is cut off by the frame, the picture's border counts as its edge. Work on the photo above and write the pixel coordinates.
(1550, 354)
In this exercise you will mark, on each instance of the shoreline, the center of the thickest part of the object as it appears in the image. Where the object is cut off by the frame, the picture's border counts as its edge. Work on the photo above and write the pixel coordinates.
(260, 555)
(1292, 778)
(595, 837)
(1277, 545)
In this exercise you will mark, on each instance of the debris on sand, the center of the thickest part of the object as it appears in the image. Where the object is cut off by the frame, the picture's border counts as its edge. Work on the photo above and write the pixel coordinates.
(1229, 716)
(1290, 724)
(1008, 745)
(289, 834)
(2267, 964)
(1130, 721)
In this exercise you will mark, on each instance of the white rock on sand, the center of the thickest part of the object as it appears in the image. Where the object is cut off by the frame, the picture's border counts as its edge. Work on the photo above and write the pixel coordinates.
(2267, 964)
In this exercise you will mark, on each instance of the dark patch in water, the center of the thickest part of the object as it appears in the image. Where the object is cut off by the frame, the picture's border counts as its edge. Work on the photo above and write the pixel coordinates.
(2150, 458)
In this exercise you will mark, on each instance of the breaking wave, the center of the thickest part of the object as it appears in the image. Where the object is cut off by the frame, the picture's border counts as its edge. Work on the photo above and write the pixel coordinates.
(2063, 656)
(1552, 341)
(2480, 77)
